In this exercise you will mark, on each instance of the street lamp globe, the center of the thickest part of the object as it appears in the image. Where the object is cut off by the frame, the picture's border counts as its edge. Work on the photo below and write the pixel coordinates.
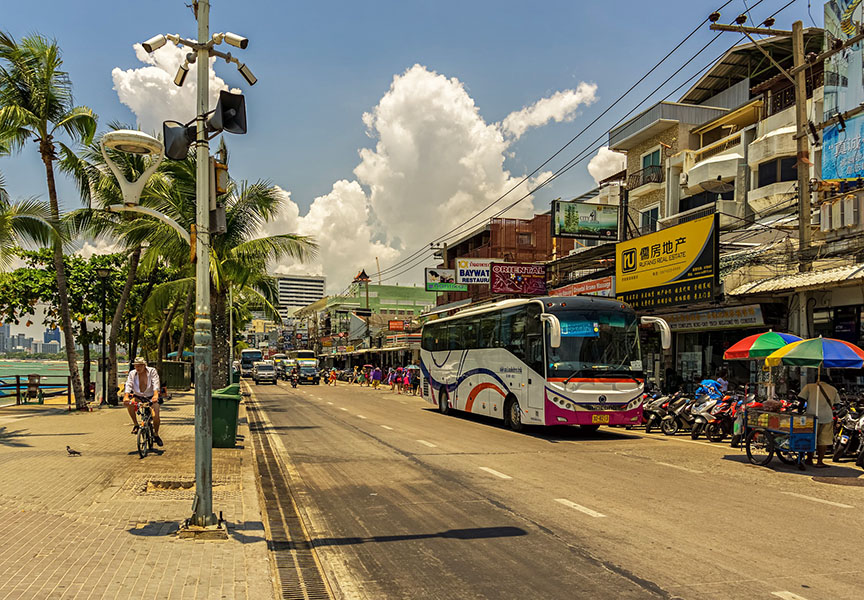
(103, 272)
(132, 142)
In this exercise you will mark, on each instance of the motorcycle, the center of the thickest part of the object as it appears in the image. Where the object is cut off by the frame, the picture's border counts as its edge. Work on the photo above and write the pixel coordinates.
(294, 380)
(652, 410)
(848, 441)
(722, 419)
(673, 418)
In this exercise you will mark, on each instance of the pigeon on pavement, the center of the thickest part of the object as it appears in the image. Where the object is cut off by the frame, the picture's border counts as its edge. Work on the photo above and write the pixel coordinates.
(72, 452)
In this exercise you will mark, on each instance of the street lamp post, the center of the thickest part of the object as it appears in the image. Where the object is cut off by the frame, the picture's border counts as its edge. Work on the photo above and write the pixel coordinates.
(103, 275)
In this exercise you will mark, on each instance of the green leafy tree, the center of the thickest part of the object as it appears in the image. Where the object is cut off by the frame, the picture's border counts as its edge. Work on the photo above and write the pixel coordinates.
(36, 103)
(21, 222)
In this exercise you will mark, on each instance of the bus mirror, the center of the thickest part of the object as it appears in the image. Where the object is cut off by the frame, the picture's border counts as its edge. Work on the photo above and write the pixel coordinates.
(663, 326)
(554, 329)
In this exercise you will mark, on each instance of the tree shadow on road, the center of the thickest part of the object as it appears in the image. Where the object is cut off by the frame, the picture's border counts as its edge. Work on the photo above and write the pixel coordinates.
(12, 438)
(475, 533)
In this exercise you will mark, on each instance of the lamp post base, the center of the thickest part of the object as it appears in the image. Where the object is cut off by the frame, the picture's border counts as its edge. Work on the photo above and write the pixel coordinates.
(218, 531)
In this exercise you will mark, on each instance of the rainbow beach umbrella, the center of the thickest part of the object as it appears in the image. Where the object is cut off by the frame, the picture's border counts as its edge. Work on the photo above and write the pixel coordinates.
(759, 345)
(819, 352)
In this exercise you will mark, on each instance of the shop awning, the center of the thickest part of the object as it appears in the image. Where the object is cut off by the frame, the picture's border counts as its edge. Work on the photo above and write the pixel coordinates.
(802, 281)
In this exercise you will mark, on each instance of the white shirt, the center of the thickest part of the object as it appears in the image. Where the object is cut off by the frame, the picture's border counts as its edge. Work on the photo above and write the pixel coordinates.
(820, 398)
(133, 386)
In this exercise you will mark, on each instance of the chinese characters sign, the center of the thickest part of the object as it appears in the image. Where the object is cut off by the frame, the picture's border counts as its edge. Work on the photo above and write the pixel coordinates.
(671, 267)
(518, 279)
(583, 220)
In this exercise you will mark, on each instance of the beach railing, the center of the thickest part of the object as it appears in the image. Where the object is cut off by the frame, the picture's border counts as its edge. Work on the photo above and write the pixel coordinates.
(33, 387)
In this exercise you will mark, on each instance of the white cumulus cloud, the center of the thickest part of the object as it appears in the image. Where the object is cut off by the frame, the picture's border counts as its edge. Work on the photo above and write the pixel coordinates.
(606, 163)
(98, 246)
(150, 93)
(560, 106)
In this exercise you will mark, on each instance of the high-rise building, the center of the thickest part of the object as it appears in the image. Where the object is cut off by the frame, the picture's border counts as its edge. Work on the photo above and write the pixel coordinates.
(5, 332)
(296, 291)
(51, 335)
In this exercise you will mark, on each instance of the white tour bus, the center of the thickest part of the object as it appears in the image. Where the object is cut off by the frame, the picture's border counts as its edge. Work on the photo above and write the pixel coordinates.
(541, 361)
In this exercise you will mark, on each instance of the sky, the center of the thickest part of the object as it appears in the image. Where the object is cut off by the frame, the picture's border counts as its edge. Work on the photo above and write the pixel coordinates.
(386, 124)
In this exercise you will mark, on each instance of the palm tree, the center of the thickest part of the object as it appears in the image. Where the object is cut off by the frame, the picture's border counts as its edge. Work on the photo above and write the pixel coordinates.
(36, 103)
(21, 222)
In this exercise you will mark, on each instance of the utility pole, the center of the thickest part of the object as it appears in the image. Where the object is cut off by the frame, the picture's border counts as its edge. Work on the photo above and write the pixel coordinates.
(203, 505)
(803, 143)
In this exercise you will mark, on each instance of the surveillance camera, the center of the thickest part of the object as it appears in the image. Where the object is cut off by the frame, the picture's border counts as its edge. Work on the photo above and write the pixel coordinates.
(235, 40)
(180, 77)
(247, 74)
(154, 43)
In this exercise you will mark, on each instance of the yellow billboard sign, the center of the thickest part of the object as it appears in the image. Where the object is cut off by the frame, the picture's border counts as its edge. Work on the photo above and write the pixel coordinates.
(673, 266)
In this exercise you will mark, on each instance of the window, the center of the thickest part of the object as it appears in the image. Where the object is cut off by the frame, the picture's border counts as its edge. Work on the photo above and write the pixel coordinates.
(455, 331)
(488, 331)
(649, 219)
(534, 338)
(652, 159)
(777, 170)
(469, 333)
(524, 239)
(512, 333)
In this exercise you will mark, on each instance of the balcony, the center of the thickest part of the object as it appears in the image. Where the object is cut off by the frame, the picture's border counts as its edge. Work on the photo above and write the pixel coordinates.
(653, 174)
(687, 215)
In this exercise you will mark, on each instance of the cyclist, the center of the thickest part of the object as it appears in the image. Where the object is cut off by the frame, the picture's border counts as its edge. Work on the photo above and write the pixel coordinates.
(142, 385)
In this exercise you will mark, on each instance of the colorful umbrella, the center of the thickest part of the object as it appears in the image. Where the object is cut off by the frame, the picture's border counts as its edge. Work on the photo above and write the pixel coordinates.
(819, 352)
(759, 345)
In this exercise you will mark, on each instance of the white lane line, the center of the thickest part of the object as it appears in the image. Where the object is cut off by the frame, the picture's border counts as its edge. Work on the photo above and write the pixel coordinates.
(425, 443)
(788, 596)
(812, 499)
(387, 428)
(343, 408)
(579, 507)
(330, 403)
(495, 473)
(679, 467)
(360, 416)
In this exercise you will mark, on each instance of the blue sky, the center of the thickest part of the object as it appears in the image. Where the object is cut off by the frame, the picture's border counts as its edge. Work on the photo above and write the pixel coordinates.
(321, 66)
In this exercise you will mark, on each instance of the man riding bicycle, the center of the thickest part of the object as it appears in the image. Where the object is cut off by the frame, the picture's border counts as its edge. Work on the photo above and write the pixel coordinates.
(142, 385)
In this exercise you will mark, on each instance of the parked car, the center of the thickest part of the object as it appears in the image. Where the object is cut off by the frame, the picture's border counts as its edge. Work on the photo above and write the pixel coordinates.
(263, 372)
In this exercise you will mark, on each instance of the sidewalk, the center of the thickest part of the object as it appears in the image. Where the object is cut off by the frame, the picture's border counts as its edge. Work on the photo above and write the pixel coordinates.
(102, 525)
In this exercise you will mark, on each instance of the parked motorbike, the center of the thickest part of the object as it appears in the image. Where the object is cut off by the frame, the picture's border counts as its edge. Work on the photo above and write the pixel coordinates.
(848, 440)
(653, 411)
(722, 420)
(742, 404)
(677, 412)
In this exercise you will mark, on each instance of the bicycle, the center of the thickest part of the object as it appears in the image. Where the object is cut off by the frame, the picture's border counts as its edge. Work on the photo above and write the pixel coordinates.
(146, 435)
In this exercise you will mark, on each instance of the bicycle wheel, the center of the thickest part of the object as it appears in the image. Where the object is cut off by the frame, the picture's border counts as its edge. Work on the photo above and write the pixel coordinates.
(760, 447)
(143, 441)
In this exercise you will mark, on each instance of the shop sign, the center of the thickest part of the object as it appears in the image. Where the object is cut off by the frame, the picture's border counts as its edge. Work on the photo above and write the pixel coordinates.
(673, 266)
(396, 325)
(585, 221)
(721, 318)
(518, 279)
(349, 348)
(473, 271)
(842, 145)
(605, 286)
(326, 343)
(341, 348)
(443, 280)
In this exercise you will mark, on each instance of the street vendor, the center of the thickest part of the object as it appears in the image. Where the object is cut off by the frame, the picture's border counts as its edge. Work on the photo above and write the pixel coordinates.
(820, 398)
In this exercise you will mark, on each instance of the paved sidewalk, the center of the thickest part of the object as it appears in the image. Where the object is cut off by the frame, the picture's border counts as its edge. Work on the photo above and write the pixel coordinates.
(102, 525)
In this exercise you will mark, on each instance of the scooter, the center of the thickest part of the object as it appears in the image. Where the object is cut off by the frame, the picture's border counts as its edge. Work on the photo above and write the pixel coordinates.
(294, 380)
(722, 420)
(674, 416)
(652, 411)
(848, 439)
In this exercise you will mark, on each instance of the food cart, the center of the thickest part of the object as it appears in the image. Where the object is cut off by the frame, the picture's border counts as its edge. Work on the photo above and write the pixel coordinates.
(789, 435)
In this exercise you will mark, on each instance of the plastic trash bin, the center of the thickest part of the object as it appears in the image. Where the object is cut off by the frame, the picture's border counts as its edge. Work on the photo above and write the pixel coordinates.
(231, 390)
(226, 408)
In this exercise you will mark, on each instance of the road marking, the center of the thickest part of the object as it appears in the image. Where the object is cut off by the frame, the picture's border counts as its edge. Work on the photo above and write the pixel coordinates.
(670, 465)
(360, 417)
(495, 473)
(387, 428)
(579, 507)
(837, 504)
(330, 403)
(343, 408)
(425, 443)
(788, 596)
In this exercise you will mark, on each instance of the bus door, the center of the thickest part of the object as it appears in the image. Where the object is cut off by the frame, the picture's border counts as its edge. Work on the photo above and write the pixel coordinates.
(535, 360)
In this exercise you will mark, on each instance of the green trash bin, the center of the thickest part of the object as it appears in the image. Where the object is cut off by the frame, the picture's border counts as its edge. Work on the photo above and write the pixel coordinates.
(231, 390)
(226, 408)
(235, 377)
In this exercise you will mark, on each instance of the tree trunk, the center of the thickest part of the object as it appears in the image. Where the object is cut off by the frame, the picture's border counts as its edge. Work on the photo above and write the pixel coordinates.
(86, 357)
(187, 310)
(161, 341)
(114, 332)
(47, 150)
(136, 337)
(219, 320)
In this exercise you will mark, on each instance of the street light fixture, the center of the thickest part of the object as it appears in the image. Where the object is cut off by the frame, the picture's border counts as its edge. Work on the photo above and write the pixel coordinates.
(103, 274)
(132, 142)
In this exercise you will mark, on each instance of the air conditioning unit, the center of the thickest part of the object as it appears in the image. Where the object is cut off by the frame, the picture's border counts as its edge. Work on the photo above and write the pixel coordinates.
(683, 179)
(825, 218)
(850, 211)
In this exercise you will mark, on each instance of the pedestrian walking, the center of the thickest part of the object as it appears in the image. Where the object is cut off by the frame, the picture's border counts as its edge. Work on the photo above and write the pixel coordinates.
(333, 377)
(415, 381)
(391, 378)
(399, 380)
(376, 378)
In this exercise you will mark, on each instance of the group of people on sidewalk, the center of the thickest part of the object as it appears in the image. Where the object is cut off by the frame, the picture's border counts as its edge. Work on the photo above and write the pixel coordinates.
(400, 379)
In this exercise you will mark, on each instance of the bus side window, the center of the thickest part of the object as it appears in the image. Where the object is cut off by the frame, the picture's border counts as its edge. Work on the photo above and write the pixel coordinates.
(455, 337)
(428, 340)
(534, 337)
(513, 331)
(469, 334)
(488, 331)
(441, 337)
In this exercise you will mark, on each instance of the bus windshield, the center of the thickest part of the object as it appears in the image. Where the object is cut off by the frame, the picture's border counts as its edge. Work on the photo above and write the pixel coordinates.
(595, 343)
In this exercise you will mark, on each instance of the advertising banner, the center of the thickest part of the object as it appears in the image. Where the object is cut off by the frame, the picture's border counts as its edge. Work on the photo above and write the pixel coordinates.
(673, 266)
(518, 279)
(842, 156)
(605, 286)
(720, 318)
(473, 271)
(586, 221)
(443, 280)
(396, 325)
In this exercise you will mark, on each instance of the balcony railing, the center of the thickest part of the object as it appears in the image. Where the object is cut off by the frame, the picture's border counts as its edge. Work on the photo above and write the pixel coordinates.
(688, 215)
(652, 174)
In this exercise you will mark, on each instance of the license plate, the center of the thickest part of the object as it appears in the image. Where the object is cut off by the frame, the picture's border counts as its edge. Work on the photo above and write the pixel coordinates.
(599, 419)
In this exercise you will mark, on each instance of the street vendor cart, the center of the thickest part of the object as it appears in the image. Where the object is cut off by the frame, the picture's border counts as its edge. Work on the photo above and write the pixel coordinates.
(789, 435)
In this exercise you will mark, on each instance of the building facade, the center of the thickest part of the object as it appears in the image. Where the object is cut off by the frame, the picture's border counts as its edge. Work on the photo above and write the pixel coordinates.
(297, 291)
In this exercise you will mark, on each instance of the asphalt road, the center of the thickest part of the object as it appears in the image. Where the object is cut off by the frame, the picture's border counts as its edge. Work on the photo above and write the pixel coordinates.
(404, 502)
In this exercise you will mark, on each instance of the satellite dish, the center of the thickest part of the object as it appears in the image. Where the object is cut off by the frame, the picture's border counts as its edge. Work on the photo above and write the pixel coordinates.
(717, 186)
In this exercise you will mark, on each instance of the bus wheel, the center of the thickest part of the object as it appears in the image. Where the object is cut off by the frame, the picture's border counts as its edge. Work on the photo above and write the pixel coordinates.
(443, 405)
(513, 415)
